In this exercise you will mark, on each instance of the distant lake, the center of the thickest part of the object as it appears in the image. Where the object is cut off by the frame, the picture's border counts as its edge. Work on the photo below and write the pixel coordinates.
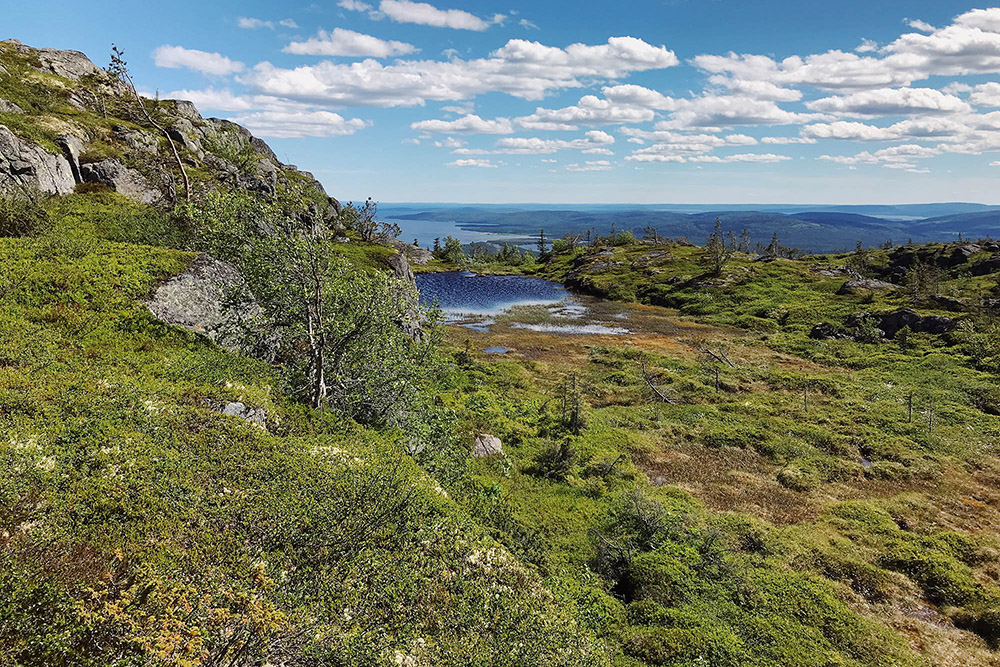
(425, 231)
(462, 294)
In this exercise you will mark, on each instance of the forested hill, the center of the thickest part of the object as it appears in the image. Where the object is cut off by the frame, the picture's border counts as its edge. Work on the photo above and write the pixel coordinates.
(831, 230)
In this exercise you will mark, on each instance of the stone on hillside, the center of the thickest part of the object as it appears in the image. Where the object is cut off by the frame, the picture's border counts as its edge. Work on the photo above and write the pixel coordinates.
(401, 267)
(413, 254)
(827, 331)
(67, 64)
(182, 109)
(193, 299)
(892, 323)
(863, 284)
(122, 180)
(183, 133)
(486, 445)
(9, 107)
(987, 266)
(72, 147)
(239, 409)
(27, 166)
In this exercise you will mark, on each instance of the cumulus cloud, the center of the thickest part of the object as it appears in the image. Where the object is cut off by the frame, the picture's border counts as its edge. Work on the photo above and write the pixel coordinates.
(891, 102)
(294, 124)
(985, 95)
(638, 96)
(341, 42)
(469, 124)
(593, 141)
(898, 155)
(520, 68)
(719, 111)
(178, 57)
(590, 110)
(758, 90)
(472, 163)
(422, 13)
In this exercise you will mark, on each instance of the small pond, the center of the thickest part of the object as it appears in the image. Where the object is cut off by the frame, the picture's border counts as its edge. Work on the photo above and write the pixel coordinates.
(491, 303)
(463, 295)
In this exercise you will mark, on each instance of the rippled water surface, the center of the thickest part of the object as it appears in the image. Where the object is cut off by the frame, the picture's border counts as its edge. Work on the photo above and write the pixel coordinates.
(462, 294)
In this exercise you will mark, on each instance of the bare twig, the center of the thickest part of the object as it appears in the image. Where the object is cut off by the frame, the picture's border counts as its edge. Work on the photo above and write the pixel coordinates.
(649, 381)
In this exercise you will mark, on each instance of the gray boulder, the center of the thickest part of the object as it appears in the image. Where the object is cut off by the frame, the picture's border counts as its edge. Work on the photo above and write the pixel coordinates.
(122, 180)
(239, 409)
(852, 286)
(486, 445)
(9, 107)
(193, 299)
(401, 267)
(27, 166)
(987, 266)
(67, 64)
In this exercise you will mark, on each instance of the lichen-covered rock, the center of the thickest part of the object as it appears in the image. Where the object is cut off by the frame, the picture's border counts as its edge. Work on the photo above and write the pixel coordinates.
(892, 323)
(9, 107)
(71, 65)
(852, 286)
(401, 267)
(827, 331)
(193, 299)
(27, 166)
(122, 180)
(486, 445)
(257, 416)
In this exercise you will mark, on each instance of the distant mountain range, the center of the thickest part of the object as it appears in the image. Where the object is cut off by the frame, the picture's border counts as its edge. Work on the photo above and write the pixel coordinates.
(810, 228)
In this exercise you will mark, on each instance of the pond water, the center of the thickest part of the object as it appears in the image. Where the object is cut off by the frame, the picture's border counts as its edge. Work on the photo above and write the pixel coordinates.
(462, 294)
(491, 303)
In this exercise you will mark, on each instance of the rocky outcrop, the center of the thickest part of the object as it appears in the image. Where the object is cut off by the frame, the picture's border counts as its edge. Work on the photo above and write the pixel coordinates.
(193, 299)
(401, 268)
(486, 445)
(892, 323)
(122, 180)
(854, 286)
(413, 254)
(986, 267)
(27, 166)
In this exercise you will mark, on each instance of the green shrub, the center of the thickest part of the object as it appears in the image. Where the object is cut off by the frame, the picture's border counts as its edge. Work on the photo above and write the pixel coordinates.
(22, 215)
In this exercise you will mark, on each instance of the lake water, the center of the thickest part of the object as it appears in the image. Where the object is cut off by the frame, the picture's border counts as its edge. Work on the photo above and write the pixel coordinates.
(425, 231)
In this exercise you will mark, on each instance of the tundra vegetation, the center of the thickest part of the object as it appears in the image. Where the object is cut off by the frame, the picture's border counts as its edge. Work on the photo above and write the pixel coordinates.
(749, 490)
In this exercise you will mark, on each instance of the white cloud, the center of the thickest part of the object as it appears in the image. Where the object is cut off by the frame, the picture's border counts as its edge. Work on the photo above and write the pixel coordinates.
(718, 111)
(422, 13)
(341, 42)
(787, 140)
(528, 25)
(595, 139)
(590, 110)
(248, 23)
(917, 24)
(461, 109)
(520, 68)
(914, 128)
(986, 95)
(891, 102)
(449, 142)
(591, 165)
(638, 96)
(758, 90)
(866, 46)
(293, 124)
(472, 163)
(177, 57)
(470, 124)
(896, 155)
(355, 5)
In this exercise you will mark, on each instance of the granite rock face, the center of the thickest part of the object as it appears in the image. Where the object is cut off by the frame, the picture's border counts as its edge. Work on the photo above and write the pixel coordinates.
(122, 180)
(193, 299)
(27, 166)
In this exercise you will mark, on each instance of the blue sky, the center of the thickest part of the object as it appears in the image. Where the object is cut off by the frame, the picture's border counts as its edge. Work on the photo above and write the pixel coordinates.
(676, 101)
